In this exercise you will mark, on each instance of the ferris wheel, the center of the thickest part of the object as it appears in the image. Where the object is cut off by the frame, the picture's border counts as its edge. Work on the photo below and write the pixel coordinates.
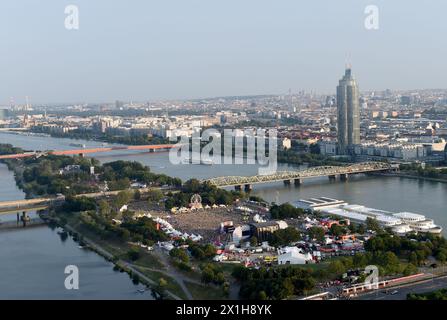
(196, 199)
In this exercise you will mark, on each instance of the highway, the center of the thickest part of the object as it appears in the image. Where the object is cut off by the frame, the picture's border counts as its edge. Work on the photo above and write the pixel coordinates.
(402, 291)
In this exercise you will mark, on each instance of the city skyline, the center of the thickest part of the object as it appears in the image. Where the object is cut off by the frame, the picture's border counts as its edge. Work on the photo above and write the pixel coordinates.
(22, 101)
(150, 52)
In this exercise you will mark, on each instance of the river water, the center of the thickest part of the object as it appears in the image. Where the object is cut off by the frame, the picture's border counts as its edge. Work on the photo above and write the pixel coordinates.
(32, 261)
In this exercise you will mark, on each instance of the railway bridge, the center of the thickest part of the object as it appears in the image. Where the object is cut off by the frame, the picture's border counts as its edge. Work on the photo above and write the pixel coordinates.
(297, 177)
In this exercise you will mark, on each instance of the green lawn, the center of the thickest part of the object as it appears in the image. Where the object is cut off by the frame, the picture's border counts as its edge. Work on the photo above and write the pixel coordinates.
(172, 285)
(148, 260)
(205, 292)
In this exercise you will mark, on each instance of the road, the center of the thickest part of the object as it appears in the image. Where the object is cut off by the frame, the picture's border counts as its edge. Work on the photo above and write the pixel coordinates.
(402, 291)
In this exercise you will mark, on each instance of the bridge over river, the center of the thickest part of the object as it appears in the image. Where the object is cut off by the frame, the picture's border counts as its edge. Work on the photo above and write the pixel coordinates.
(298, 176)
(82, 152)
(22, 207)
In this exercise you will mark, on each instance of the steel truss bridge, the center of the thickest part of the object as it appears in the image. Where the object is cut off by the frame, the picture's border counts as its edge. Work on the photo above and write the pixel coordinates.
(297, 176)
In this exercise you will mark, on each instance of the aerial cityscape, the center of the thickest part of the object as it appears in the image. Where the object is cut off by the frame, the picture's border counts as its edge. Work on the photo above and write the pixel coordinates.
(127, 191)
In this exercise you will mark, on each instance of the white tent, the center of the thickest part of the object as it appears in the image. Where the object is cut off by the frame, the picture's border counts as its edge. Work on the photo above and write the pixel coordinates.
(293, 255)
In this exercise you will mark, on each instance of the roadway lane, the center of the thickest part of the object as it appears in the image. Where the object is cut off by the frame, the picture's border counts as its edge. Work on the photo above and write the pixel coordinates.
(402, 291)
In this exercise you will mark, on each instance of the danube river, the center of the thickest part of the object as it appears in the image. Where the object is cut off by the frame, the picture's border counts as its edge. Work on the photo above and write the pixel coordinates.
(32, 261)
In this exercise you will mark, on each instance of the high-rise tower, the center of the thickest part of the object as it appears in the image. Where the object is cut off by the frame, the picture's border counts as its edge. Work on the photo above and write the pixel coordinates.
(348, 113)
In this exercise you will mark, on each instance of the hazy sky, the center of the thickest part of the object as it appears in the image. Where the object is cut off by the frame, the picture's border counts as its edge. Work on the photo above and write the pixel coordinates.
(163, 49)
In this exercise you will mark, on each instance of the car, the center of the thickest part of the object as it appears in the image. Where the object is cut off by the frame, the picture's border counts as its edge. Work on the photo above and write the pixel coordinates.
(394, 292)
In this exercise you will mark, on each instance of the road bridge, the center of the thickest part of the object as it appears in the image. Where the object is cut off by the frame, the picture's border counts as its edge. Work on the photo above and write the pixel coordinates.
(82, 152)
(297, 177)
(23, 206)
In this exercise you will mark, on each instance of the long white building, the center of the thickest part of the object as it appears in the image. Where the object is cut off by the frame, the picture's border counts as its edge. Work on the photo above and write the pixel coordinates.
(401, 223)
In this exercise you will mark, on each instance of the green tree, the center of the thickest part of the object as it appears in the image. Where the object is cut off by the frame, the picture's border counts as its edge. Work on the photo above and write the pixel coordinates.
(104, 208)
(262, 295)
(336, 268)
(133, 254)
(253, 241)
(410, 269)
(179, 254)
(316, 233)
(361, 229)
(441, 255)
(285, 210)
(162, 283)
(413, 259)
(372, 224)
(154, 195)
(209, 250)
(135, 278)
(192, 186)
(207, 275)
(285, 237)
(337, 230)
(122, 198)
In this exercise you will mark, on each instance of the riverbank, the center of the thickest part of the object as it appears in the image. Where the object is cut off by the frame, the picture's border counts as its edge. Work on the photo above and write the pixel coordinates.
(412, 176)
(150, 267)
(107, 254)
(104, 138)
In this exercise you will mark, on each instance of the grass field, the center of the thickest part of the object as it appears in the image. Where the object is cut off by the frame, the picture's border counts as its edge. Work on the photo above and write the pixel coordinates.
(205, 292)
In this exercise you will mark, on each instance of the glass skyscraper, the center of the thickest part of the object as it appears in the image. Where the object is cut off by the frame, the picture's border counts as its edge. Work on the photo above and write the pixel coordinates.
(348, 113)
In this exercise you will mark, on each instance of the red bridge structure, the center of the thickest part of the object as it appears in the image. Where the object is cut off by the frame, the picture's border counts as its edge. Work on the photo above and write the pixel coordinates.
(82, 152)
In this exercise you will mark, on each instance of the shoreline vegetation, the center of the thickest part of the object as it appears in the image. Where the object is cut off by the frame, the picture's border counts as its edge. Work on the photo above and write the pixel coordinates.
(159, 289)
(103, 137)
(413, 176)
(415, 171)
(440, 294)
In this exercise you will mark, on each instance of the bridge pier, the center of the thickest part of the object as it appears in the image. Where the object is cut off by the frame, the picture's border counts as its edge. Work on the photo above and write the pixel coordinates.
(344, 177)
(287, 182)
(298, 182)
(18, 218)
(24, 218)
(238, 188)
(248, 187)
(332, 178)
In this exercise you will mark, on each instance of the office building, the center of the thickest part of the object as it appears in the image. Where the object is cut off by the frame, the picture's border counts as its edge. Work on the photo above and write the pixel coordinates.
(348, 113)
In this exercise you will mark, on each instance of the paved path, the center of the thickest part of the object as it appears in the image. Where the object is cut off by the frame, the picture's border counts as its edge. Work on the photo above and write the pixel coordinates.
(174, 273)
